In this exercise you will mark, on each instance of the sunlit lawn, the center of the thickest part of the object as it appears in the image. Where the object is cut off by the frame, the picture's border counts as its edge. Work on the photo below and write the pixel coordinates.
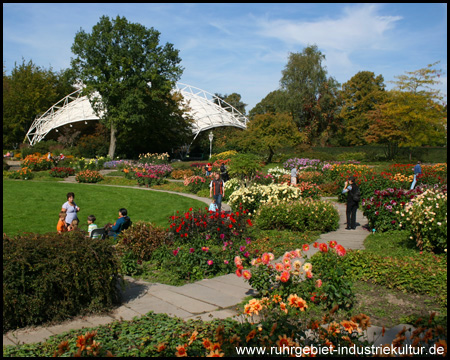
(33, 206)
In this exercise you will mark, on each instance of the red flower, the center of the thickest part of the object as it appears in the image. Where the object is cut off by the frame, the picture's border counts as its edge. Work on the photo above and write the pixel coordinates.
(323, 247)
(249, 222)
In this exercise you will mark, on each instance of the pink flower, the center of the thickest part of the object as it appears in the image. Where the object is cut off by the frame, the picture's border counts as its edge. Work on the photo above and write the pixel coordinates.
(175, 252)
(318, 283)
(191, 250)
(205, 248)
(210, 262)
(225, 262)
(279, 267)
(246, 254)
(208, 237)
(222, 236)
(241, 248)
(340, 250)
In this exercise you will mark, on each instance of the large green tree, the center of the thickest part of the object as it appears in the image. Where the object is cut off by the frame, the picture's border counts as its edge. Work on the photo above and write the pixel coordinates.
(412, 114)
(268, 133)
(360, 95)
(274, 102)
(311, 96)
(134, 75)
(28, 92)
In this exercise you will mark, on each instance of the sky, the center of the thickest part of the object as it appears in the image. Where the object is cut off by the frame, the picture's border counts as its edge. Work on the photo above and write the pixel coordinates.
(243, 48)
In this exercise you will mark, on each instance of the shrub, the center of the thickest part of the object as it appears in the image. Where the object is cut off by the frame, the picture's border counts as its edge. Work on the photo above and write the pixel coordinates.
(88, 176)
(196, 183)
(37, 163)
(56, 276)
(181, 174)
(24, 174)
(61, 172)
(223, 155)
(141, 239)
(244, 166)
(426, 219)
(148, 179)
(357, 156)
(251, 198)
(300, 215)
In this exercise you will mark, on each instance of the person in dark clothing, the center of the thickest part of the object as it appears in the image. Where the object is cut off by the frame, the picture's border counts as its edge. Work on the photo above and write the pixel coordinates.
(122, 223)
(217, 190)
(352, 191)
(223, 173)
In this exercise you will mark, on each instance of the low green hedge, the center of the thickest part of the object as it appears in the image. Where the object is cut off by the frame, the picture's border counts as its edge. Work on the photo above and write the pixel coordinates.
(52, 277)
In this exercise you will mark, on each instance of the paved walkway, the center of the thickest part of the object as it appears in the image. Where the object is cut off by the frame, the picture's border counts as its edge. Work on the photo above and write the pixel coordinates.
(206, 299)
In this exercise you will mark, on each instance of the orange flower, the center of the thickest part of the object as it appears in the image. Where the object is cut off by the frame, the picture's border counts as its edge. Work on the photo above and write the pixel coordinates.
(193, 337)
(247, 274)
(349, 326)
(441, 344)
(81, 342)
(283, 307)
(161, 347)
(284, 276)
(216, 353)
(277, 298)
(181, 350)
(63, 347)
(206, 343)
(284, 341)
(251, 335)
(214, 347)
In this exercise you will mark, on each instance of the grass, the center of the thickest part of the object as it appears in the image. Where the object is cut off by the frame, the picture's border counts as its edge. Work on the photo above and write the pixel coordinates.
(33, 206)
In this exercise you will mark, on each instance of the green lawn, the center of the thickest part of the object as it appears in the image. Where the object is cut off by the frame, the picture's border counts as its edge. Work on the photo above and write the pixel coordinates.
(33, 206)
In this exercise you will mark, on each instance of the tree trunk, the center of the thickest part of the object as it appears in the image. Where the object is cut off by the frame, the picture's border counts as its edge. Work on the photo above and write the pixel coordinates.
(112, 142)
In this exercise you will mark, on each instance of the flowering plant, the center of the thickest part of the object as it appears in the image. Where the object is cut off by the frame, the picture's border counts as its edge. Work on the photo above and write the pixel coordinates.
(251, 198)
(37, 163)
(301, 163)
(384, 207)
(88, 176)
(62, 172)
(154, 158)
(24, 174)
(426, 219)
(116, 164)
(196, 183)
(148, 179)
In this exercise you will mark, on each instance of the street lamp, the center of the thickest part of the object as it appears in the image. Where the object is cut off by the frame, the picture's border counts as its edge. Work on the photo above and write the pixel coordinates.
(211, 136)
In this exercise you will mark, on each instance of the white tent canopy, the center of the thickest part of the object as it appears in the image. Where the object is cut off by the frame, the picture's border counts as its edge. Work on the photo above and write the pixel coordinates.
(203, 107)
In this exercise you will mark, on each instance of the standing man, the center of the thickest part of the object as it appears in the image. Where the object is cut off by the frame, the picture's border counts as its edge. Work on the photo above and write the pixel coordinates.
(294, 175)
(353, 197)
(417, 171)
(217, 190)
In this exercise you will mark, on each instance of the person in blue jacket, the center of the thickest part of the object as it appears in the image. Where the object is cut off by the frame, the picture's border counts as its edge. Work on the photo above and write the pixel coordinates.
(122, 223)
(417, 171)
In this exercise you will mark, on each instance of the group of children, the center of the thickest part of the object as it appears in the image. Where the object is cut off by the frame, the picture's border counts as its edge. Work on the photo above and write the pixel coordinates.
(63, 227)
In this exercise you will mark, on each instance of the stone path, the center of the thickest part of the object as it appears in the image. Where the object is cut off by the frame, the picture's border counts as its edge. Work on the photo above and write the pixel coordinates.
(206, 299)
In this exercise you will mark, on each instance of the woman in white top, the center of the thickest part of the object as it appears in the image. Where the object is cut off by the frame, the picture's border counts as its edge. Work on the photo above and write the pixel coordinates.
(70, 208)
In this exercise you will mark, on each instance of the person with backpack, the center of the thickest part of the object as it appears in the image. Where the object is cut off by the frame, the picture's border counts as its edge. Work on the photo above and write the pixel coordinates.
(353, 198)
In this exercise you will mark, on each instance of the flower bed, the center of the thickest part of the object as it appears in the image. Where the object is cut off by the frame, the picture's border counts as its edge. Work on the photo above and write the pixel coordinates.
(196, 183)
(88, 176)
(426, 219)
(37, 163)
(24, 174)
(253, 197)
(301, 215)
(61, 172)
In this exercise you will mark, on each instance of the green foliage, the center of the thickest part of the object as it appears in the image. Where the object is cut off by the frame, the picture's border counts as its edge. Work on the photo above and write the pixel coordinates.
(142, 239)
(134, 59)
(419, 274)
(56, 276)
(244, 166)
(357, 156)
(301, 215)
(29, 91)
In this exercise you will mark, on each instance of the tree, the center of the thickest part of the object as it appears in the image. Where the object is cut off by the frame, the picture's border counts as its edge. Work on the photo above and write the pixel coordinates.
(360, 95)
(134, 76)
(274, 102)
(411, 116)
(309, 93)
(28, 92)
(269, 133)
(233, 99)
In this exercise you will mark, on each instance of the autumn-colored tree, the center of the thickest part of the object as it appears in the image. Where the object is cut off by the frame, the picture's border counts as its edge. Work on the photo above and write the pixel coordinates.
(359, 95)
(268, 133)
(411, 116)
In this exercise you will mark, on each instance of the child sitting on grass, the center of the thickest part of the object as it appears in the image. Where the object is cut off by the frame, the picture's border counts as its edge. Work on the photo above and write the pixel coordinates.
(61, 226)
(73, 226)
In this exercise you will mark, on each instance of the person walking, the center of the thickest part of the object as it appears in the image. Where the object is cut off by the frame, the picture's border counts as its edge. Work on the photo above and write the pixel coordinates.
(217, 190)
(223, 173)
(353, 197)
(417, 171)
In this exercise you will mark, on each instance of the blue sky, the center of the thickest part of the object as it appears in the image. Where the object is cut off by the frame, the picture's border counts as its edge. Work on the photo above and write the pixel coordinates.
(243, 48)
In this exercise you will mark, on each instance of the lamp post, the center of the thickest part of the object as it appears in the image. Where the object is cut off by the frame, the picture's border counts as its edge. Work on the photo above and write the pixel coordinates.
(211, 136)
